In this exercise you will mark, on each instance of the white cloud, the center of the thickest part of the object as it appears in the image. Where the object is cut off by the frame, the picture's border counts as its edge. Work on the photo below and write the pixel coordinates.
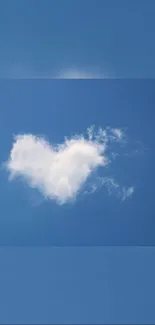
(60, 171)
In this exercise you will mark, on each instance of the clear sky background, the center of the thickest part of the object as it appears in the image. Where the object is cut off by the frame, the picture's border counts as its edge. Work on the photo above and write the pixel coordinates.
(93, 285)
(61, 108)
(45, 38)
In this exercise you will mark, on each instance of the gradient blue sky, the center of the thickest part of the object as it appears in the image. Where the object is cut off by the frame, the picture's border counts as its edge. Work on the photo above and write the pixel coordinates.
(93, 285)
(40, 38)
(40, 283)
(59, 108)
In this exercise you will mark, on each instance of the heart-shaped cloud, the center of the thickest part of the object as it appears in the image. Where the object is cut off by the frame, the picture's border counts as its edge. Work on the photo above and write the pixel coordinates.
(60, 171)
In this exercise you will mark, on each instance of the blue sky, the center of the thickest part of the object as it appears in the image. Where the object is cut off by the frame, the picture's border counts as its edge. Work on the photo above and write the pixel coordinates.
(55, 109)
(104, 37)
(91, 285)
(59, 262)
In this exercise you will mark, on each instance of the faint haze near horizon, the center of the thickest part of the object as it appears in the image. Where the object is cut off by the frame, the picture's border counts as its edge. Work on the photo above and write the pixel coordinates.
(46, 39)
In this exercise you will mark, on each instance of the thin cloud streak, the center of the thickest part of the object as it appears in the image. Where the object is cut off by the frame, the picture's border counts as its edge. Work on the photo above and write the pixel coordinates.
(78, 74)
(23, 71)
